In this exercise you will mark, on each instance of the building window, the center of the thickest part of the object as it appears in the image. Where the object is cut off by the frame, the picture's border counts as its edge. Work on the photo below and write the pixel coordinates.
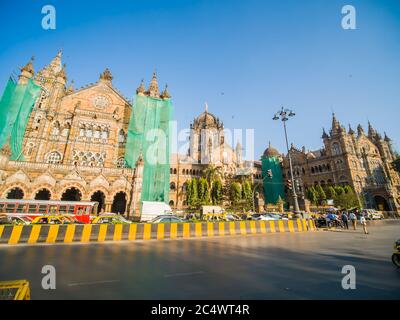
(336, 149)
(121, 162)
(172, 186)
(54, 157)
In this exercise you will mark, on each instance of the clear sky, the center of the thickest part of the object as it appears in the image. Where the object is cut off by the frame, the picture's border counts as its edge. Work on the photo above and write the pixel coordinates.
(245, 58)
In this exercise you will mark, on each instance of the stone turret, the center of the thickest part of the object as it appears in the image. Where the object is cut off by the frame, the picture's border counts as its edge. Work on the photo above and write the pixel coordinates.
(165, 94)
(371, 131)
(141, 90)
(153, 87)
(360, 130)
(27, 72)
(106, 77)
(336, 128)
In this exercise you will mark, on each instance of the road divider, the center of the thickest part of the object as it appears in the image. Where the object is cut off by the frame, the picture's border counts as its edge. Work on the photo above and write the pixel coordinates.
(32, 234)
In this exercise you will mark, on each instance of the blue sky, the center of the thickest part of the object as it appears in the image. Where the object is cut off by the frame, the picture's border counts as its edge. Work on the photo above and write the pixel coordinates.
(245, 58)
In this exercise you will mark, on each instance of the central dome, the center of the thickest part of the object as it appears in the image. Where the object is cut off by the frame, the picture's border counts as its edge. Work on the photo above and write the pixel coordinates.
(207, 120)
(271, 152)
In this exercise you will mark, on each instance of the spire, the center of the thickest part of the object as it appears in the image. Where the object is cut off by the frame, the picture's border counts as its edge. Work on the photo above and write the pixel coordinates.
(62, 73)
(165, 94)
(206, 107)
(56, 63)
(351, 131)
(371, 130)
(70, 88)
(106, 76)
(324, 134)
(153, 87)
(141, 89)
(387, 139)
(360, 130)
(335, 124)
(29, 66)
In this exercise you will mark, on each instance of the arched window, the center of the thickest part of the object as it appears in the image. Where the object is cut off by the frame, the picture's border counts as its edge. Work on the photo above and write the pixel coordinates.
(172, 186)
(336, 149)
(174, 170)
(54, 157)
(312, 170)
(121, 136)
(56, 129)
(121, 162)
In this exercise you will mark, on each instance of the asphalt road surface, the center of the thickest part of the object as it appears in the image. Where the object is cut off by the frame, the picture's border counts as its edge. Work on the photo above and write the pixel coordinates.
(273, 266)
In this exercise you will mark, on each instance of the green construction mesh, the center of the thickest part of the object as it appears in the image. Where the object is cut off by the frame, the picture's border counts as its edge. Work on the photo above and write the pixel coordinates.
(15, 107)
(273, 186)
(149, 136)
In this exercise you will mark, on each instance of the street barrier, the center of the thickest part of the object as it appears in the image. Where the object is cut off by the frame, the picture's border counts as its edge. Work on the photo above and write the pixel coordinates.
(15, 290)
(32, 234)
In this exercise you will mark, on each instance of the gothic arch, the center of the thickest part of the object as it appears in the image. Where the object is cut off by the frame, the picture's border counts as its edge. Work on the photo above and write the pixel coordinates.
(40, 187)
(21, 186)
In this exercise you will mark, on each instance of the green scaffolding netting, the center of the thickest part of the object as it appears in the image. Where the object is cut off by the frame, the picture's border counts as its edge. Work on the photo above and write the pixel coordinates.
(273, 186)
(149, 136)
(15, 107)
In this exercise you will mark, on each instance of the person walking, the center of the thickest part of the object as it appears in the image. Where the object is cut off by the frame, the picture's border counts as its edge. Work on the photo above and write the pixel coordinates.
(345, 220)
(363, 221)
(353, 219)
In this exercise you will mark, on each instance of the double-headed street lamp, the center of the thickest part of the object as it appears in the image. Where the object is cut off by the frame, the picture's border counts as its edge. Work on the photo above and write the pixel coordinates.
(284, 115)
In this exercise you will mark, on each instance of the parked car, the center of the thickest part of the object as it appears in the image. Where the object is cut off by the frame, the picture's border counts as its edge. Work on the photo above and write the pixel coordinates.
(48, 220)
(232, 217)
(166, 219)
(371, 214)
(20, 220)
(110, 219)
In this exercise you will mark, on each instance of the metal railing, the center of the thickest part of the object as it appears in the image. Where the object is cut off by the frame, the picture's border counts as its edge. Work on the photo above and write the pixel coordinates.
(15, 290)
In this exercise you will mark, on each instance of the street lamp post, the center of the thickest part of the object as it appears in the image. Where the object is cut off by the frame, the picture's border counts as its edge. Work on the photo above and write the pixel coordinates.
(284, 115)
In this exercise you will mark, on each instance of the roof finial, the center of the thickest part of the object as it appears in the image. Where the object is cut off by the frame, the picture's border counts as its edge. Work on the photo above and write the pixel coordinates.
(206, 106)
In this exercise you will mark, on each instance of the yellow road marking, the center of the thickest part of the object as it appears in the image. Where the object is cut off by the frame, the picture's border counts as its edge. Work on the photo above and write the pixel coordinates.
(147, 231)
(253, 228)
(272, 226)
(263, 227)
(160, 231)
(221, 228)
(242, 227)
(15, 235)
(304, 224)
(281, 226)
(210, 229)
(174, 231)
(52, 235)
(1, 230)
(117, 232)
(69, 233)
(290, 225)
(198, 230)
(232, 228)
(35, 232)
(299, 225)
(132, 231)
(186, 230)
(102, 232)
(87, 230)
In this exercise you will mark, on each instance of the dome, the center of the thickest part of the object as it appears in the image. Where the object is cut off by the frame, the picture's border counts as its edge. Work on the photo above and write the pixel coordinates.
(271, 152)
(207, 120)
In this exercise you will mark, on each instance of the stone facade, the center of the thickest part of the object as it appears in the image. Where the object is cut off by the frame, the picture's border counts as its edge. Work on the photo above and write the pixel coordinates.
(208, 147)
(361, 160)
(74, 143)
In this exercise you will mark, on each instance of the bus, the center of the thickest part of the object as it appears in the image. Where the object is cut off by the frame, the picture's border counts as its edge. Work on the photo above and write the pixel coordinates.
(81, 210)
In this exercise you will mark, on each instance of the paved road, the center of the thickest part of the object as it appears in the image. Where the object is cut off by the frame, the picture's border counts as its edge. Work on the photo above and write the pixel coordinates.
(274, 266)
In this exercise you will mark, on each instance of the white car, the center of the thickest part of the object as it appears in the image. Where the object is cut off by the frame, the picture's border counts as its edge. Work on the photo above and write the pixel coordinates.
(166, 219)
(372, 214)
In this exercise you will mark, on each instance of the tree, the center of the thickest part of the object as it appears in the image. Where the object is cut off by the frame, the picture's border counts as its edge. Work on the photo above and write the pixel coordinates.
(312, 195)
(346, 198)
(212, 173)
(216, 192)
(246, 190)
(235, 193)
(203, 191)
(191, 193)
(330, 192)
(321, 194)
